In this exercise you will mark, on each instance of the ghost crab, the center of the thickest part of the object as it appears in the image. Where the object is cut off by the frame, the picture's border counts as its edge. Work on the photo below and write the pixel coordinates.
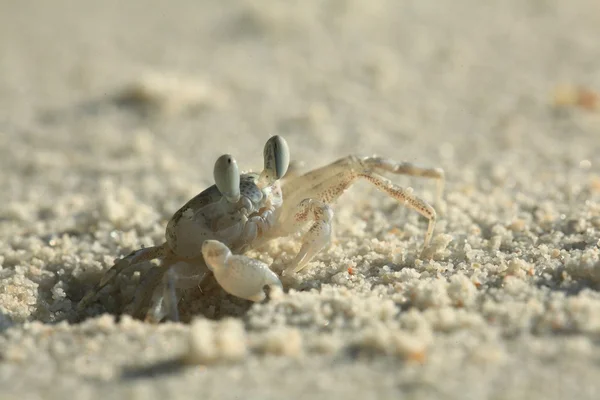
(242, 211)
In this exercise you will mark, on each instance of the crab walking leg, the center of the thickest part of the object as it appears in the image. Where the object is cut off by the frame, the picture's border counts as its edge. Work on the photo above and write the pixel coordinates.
(411, 201)
(328, 183)
(164, 300)
(144, 293)
(406, 168)
(238, 275)
(157, 296)
(136, 257)
(318, 235)
(181, 275)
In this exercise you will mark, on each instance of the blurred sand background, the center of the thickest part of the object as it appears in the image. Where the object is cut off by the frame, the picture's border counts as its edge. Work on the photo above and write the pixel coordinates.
(111, 117)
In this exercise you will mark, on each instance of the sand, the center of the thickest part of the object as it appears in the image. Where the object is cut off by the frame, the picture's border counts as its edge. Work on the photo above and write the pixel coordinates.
(112, 115)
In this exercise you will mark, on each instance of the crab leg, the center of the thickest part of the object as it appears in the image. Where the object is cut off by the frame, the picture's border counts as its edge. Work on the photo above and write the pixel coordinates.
(408, 169)
(328, 183)
(164, 300)
(406, 197)
(144, 293)
(157, 297)
(180, 275)
(312, 182)
(318, 235)
(136, 257)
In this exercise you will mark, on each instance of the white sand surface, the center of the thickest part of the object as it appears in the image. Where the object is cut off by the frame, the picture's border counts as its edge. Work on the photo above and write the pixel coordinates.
(112, 114)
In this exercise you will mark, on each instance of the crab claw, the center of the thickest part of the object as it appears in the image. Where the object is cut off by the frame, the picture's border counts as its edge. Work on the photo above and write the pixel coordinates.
(238, 275)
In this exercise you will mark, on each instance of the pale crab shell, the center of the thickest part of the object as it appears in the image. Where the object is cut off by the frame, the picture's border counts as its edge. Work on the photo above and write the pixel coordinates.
(209, 216)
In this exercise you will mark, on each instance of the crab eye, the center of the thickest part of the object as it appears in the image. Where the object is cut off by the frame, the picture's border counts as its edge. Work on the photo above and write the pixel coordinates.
(277, 157)
(227, 177)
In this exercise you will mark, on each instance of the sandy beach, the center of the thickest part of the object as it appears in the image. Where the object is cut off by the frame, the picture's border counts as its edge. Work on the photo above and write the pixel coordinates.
(112, 115)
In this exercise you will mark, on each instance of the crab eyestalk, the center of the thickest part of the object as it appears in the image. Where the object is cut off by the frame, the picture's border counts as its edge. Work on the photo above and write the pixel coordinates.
(227, 177)
(277, 160)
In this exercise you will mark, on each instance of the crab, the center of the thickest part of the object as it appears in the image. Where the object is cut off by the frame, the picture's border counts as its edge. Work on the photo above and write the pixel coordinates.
(211, 232)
